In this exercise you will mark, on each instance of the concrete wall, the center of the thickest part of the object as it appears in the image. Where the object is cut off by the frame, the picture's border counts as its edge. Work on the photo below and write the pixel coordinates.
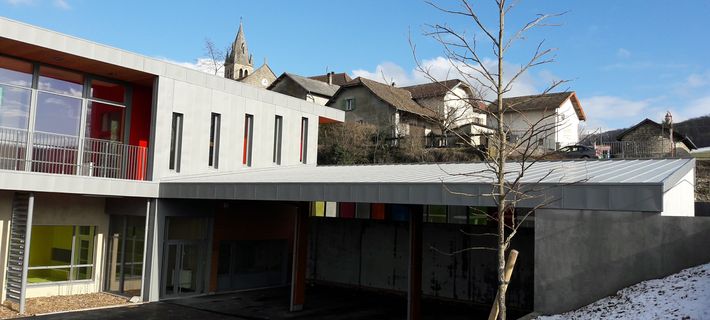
(582, 256)
(374, 254)
(196, 103)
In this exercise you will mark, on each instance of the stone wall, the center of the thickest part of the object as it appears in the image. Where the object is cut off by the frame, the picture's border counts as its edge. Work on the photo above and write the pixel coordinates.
(651, 141)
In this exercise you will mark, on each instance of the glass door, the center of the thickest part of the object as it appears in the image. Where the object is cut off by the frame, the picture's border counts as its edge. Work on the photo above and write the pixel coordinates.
(182, 269)
(125, 255)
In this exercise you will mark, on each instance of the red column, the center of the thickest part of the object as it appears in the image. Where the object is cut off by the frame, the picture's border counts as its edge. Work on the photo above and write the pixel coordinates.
(414, 295)
(300, 256)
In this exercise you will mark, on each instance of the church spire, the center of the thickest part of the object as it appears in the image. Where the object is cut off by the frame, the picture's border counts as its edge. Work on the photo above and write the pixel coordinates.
(239, 47)
(239, 62)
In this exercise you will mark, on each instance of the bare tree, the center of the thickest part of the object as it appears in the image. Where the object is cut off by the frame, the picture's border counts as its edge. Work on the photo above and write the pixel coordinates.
(215, 55)
(524, 143)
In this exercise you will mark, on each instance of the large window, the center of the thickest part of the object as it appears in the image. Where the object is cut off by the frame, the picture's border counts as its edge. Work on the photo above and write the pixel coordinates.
(61, 253)
(15, 81)
(248, 139)
(176, 142)
(214, 140)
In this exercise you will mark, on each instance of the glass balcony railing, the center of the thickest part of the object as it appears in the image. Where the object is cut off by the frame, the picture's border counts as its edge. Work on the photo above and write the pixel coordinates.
(61, 154)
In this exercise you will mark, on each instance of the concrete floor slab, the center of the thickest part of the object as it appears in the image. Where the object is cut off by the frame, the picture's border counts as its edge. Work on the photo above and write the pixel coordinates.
(322, 302)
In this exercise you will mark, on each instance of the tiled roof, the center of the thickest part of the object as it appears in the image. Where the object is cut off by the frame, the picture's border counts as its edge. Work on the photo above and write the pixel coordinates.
(338, 78)
(542, 102)
(433, 89)
(310, 85)
(399, 98)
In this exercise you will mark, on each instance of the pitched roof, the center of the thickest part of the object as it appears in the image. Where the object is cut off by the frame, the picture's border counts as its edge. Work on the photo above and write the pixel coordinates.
(541, 102)
(263, 72)
(308, 84)
(398, 98)
(434, 89)
(338, 78)
(677, 135)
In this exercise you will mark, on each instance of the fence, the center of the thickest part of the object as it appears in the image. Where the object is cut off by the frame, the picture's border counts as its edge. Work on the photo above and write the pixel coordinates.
(61, 154)
(629, 150)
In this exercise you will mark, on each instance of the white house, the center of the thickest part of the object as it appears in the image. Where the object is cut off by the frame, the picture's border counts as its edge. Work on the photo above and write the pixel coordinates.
(456, 109)
(552, 118)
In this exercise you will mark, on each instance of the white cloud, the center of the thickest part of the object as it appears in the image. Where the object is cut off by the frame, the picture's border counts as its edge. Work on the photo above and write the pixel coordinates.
(697, 80)
(623, 53)
(610, 112)
(441, 68)
(61, 4)
(206, 65)
(695, 108)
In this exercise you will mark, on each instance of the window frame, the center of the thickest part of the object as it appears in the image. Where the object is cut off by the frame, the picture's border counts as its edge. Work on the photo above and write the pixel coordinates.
(74, 253)
(303, 153)
(176, 141)
(215, 128)
(349, 104)
(278, 139)
(248, 140)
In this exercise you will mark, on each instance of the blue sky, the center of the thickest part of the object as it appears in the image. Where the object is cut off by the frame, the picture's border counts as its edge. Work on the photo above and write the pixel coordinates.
(627, 60)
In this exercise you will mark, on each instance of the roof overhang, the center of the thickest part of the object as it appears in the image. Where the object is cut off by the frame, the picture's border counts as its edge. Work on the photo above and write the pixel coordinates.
(577, 107)
(611, 185)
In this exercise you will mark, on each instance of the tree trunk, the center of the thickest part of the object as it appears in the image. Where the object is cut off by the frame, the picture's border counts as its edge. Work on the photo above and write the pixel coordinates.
(501, 169)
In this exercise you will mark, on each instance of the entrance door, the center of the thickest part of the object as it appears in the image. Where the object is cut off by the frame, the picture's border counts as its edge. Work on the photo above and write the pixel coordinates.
(125, 255)
(185, 256)
(183, 270)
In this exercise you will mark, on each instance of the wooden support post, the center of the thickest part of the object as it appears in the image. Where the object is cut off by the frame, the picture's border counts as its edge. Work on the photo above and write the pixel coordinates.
(300, 255)
(414, 295)
(509, 265)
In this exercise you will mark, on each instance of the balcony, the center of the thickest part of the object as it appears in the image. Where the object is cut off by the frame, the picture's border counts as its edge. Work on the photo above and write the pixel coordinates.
(21, 150)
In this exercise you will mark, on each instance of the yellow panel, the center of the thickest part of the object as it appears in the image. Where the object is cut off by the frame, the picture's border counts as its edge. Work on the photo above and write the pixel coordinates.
(319, 209)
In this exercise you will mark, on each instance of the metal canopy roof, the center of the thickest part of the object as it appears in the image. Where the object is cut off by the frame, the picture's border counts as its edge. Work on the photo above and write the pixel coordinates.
(628, 185)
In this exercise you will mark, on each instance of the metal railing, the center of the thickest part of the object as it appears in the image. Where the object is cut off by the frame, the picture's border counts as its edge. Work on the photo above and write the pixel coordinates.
(632, 150)
(62, 154)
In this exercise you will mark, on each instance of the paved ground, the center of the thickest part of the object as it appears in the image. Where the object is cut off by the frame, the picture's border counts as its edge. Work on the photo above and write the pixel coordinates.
(321, 303)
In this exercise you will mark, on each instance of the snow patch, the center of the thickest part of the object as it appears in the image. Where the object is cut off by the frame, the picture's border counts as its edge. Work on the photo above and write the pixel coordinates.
(684, 295)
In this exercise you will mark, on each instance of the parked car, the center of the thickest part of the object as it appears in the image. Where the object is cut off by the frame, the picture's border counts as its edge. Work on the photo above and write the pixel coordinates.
(577, 152)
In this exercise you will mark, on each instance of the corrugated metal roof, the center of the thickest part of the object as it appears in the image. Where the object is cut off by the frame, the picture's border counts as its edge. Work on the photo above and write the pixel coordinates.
(564, 172)
(614, 185)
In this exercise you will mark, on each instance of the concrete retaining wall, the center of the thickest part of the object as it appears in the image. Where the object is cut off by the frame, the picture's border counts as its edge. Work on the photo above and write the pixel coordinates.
(582, 256)
(374, 254)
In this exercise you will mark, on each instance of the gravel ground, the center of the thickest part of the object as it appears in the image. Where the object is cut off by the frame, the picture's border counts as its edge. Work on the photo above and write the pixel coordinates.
(63, 303)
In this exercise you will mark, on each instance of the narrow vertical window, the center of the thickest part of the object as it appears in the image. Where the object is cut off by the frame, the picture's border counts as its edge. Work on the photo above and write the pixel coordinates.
(214, 140)
(278, 126)
(248, 135)
(304, 141)
(176, 142)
